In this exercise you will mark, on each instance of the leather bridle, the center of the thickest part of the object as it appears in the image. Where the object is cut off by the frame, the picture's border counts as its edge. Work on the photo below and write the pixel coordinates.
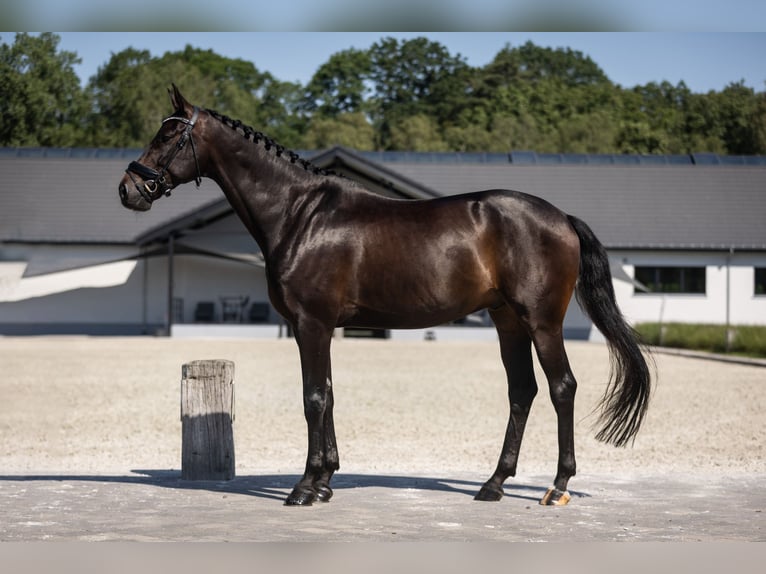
(156, 183)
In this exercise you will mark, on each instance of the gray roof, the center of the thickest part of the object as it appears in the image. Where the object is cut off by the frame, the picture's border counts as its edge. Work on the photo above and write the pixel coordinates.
(683, 202)
(632, 206)
(73, 199)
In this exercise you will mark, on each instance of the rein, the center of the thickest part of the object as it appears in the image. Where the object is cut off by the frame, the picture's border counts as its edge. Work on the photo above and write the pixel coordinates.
(155, 182)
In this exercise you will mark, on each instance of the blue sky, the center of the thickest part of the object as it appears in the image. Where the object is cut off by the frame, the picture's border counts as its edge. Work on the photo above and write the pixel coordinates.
(705, 61)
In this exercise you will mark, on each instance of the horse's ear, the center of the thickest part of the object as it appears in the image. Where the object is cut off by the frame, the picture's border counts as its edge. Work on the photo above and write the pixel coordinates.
(177, 100)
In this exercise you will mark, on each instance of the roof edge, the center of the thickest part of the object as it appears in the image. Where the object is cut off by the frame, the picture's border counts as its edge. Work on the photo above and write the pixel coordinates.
(359, 162)
(198, 217)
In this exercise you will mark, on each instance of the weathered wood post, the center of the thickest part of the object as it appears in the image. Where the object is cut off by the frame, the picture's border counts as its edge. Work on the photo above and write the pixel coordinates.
(207, 414)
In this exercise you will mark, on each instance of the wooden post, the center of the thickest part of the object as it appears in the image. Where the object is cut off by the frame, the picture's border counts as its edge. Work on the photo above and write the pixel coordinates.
(207, 414)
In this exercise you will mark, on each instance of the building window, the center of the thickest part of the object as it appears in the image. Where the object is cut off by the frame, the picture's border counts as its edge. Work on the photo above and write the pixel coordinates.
(760, 281)
(672, 279)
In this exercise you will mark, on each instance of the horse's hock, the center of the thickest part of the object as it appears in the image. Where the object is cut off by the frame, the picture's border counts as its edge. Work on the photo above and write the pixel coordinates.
(207, 414)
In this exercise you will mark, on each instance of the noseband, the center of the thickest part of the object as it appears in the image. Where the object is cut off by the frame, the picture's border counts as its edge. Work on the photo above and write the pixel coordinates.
(155, 182)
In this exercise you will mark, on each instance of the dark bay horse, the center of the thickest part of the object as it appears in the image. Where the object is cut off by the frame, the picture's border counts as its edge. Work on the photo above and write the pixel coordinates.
(338, 255)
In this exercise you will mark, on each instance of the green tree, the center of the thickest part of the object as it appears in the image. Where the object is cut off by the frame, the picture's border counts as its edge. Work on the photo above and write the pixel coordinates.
(41, 101)
(701, 132)
(594, 132)
(279, 111)
(129, 94)
(740, 117)
(235, 87)
(416, 133)
(339, 85)
(350, 130)
(759, 123)
(409, 95)
(571, 67)
(547, 100)
(516, 132)
(415, 77)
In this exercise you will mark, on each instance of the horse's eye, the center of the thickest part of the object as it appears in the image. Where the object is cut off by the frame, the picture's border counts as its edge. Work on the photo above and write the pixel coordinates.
(166, 138)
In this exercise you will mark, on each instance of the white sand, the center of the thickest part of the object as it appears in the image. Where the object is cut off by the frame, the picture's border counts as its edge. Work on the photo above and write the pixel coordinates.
(111, 405)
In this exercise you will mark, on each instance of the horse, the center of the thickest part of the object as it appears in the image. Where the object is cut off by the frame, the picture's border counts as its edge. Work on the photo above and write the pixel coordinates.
(339, 255)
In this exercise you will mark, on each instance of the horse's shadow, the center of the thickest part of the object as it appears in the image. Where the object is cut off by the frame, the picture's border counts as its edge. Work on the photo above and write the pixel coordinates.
(278, 486)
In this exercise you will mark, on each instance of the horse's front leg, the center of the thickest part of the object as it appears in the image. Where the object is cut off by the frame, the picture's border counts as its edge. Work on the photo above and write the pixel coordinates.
(332, 460)
(314, 347)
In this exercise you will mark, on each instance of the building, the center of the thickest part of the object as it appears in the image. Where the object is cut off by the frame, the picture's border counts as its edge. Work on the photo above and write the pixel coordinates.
(691, 229)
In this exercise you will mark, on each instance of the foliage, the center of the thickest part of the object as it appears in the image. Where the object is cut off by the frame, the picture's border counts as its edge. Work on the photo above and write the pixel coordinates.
(349, 129)
(409, 95)
(338, 86)
(750, 340)
(41, 103)
(742, 339)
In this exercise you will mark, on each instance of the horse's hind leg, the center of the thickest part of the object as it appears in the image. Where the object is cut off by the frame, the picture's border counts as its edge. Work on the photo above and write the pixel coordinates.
(549, 344)
(516, 352)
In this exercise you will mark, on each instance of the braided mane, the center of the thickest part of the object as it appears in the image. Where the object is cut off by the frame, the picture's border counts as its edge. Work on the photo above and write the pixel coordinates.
(257, 137)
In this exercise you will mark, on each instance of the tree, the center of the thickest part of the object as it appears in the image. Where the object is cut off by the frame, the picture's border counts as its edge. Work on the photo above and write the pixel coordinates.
(416, 133)
(41, 101)
(532, 64)
(546, 99)
(350, 129)
(740, 117)
(237, 88)
(410, 95)
(279, 111)
(128, 94)
(415, 77)
(339, 85)
(593, 132)
(129, 100)
(571, 67)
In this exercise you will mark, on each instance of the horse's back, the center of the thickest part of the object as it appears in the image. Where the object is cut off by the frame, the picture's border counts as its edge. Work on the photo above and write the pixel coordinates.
(417, 263)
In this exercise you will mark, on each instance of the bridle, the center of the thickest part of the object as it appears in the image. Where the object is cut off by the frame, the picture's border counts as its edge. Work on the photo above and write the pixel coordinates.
(156, 183)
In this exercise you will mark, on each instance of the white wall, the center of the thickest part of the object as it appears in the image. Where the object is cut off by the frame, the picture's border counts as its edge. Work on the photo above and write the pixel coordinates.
(119, 304)
(142, 299)
(200, 278)
(744, 306)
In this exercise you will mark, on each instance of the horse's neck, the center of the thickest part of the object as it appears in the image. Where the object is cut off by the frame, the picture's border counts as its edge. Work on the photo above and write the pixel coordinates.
(267, 192)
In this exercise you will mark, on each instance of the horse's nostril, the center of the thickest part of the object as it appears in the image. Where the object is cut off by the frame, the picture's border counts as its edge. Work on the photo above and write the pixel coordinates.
(123, 192)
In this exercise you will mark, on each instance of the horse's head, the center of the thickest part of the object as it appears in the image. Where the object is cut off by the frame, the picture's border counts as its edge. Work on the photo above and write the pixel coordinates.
(170, 160)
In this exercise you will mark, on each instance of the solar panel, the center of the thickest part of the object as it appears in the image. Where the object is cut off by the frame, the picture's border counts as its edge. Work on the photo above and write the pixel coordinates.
(626, 159)
(705, 159)
(548, 158)
(573, 158)
(523, 157)
(679, 159)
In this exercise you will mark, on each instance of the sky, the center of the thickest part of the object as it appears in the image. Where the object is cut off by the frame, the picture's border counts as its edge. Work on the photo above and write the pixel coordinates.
(349, 15)
(703, 60)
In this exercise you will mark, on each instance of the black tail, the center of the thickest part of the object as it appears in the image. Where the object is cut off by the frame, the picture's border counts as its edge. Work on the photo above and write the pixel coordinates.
(627, 396)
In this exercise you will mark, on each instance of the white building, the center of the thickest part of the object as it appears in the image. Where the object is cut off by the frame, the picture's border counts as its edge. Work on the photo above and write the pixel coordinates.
(73, 260)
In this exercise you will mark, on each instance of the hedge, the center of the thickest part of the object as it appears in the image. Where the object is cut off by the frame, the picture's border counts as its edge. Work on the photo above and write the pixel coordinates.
(743, 339)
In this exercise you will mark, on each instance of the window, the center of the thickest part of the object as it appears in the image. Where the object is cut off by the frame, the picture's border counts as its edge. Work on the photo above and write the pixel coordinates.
(760, 281)
(672, 279)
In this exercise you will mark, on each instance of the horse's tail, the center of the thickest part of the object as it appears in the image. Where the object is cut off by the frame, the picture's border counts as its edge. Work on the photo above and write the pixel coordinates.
(624, 403)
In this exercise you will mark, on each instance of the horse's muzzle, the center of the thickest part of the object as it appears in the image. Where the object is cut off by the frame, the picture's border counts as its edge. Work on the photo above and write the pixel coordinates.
(123, 191)
(132, 200)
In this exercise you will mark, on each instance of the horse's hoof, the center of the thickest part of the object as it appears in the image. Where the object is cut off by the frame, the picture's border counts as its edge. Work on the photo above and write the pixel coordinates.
(301, 497)
(489, 494)
(324, 493)
(555, 497)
